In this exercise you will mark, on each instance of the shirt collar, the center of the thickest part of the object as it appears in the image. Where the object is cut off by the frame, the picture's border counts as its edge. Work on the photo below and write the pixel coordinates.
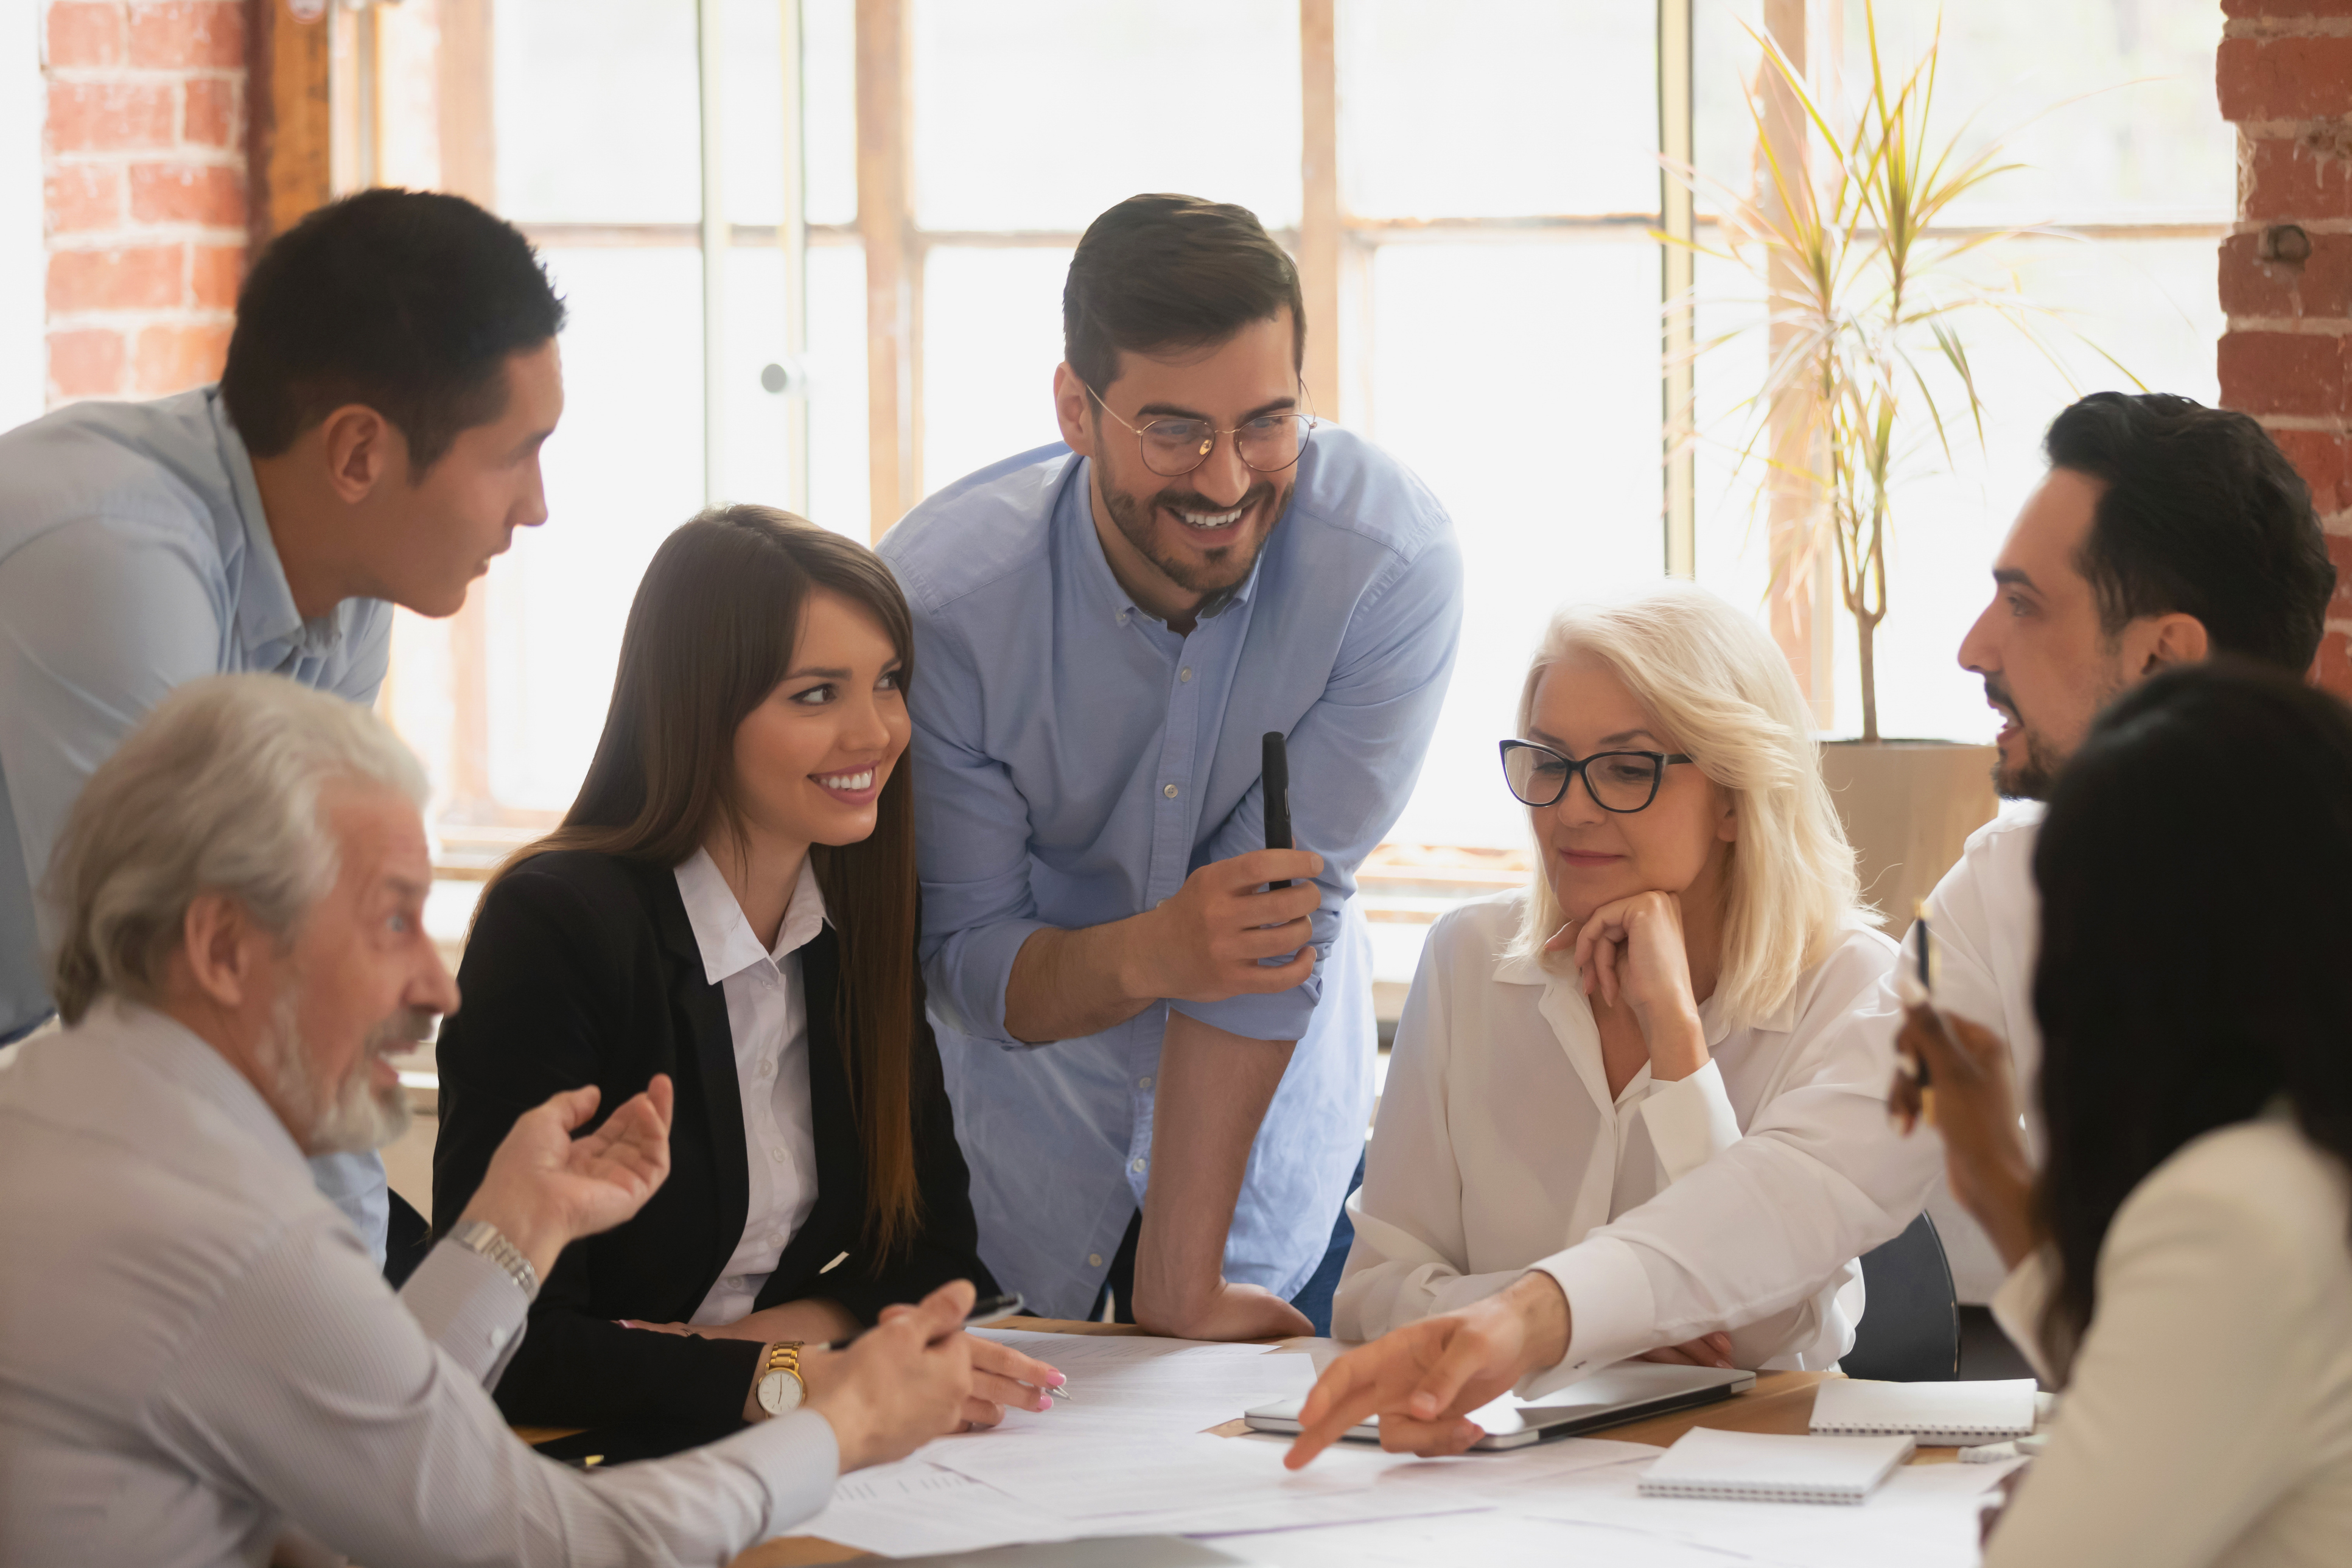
(1075, 511)
(265, 601)
(724, 937)
(1527, 969)
(170, 1051)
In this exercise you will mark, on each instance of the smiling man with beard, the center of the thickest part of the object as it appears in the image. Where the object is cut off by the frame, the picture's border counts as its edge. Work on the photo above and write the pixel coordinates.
(1161, 1064)
(2165, 534)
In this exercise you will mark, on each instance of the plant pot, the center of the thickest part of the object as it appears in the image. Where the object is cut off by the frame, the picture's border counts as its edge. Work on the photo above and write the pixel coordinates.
(1908, 808)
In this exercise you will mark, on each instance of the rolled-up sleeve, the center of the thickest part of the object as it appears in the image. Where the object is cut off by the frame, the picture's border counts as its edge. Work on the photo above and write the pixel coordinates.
(972, 835)
(1354, 759)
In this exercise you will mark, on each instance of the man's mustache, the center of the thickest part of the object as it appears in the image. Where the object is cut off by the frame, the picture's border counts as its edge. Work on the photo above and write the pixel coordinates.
(1997, 693)
(408, 1027)
(1193, 501)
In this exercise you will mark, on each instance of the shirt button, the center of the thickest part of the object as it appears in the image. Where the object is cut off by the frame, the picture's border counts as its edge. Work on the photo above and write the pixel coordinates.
(1137, 1166)
(776, 1153)
(1143, 1082)
(1185, 673)
(1168, 790)
(1094, 1260)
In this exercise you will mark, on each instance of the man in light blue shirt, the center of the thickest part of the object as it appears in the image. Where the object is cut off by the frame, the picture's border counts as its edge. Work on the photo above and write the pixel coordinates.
(1162, 1066)
(374, 441)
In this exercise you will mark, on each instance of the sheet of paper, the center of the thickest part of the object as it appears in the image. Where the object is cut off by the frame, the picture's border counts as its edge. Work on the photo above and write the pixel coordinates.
(911, 1507)
(1494, 1536)
(1923, 1516)
(1167, 1393)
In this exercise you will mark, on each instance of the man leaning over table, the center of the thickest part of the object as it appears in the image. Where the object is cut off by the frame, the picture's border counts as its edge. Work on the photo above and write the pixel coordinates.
(1153, 1055)
(2164, 533)
(198, 1360)
(374, 441)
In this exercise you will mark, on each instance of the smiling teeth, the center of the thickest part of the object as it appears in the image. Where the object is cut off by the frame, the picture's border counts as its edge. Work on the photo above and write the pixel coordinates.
(1211, 518)
(847, 781)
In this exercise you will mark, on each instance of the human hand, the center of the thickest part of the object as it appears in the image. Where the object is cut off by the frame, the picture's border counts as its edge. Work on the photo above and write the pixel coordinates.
(545, 1189)
(901, 1383)
(1707, 1350)
(1632, 951)
(1204, 943)
(1223, 1312)
(1002, 1376)
(1424, 1378)
(1975, 1108)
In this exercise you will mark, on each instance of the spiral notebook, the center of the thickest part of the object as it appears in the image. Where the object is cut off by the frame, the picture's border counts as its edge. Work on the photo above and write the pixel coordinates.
(1956, 1412)
(1766, 1467)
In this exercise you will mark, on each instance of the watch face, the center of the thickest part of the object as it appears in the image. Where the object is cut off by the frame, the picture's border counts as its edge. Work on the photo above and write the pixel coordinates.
(779, 1391)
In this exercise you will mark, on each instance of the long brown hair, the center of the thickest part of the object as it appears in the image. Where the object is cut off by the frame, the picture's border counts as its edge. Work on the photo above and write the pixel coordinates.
(709, 634)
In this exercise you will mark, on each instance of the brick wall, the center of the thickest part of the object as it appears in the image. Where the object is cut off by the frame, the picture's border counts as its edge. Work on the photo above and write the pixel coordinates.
(2285, 79)
(144, 165)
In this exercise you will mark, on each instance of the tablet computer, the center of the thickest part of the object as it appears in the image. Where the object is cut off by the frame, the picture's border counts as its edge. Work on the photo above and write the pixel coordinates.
(1629, 1391)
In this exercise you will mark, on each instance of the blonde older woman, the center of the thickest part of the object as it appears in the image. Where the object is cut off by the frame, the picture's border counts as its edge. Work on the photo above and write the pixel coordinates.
(1688, 951)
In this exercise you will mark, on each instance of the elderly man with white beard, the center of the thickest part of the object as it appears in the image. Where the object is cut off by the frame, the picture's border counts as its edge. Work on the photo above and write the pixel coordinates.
(199, 1361)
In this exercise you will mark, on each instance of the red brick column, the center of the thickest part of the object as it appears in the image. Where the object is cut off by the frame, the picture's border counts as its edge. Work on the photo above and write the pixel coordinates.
(145, 169)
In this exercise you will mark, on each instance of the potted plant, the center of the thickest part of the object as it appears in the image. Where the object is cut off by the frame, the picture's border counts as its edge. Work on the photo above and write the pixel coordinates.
(1867, 380)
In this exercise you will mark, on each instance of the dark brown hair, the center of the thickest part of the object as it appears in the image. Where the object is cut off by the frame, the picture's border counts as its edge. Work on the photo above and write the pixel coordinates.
(1173, 272)
(409, 301)
(710, 633)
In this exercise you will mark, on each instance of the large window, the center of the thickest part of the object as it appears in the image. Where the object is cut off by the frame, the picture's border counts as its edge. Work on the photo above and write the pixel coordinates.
(1471, 190)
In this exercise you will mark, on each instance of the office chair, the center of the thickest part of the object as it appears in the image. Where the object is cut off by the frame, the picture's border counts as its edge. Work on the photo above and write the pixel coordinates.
(1910, 1327)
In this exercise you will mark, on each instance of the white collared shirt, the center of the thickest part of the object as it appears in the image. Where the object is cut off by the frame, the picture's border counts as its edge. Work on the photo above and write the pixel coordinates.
(1499, 1145)
(767, 1015)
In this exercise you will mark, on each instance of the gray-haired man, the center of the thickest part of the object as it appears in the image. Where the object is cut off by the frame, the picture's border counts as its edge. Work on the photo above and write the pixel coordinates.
(197, 1354)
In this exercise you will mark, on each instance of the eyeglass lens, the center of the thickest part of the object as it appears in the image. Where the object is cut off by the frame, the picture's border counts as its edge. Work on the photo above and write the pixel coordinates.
(1619, 780)
(1268, 443)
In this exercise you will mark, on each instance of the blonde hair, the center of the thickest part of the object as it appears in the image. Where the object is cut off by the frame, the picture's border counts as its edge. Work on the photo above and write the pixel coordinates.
(1719, 685)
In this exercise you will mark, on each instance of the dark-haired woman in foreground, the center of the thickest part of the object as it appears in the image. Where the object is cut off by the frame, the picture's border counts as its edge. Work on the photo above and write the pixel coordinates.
(730, 901)
(2183, 1266)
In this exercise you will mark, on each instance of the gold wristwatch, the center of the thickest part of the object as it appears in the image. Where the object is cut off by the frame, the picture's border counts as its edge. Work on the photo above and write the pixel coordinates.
(781, 1389)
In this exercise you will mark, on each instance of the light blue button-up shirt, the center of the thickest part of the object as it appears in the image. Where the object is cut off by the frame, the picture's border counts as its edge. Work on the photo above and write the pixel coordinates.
(134, 556)
(1076, 759)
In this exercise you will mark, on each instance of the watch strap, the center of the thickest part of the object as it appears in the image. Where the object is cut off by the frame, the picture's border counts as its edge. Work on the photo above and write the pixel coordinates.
(480, 1235)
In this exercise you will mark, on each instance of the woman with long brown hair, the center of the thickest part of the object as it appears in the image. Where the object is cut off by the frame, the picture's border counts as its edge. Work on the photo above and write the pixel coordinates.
(730, 901)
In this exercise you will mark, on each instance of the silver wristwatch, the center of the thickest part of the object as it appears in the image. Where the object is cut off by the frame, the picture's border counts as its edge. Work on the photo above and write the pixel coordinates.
(486, 1238)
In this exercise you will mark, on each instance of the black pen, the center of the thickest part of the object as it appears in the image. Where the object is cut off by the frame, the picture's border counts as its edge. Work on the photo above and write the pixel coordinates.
(1273, 773)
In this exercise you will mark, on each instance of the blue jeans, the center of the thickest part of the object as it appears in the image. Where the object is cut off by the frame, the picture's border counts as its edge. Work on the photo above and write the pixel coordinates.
(1314, 1297)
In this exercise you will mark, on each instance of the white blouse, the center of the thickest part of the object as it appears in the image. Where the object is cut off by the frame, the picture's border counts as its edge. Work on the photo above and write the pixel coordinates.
(767, 1015)
(2208, 1418)
(1498, 1145)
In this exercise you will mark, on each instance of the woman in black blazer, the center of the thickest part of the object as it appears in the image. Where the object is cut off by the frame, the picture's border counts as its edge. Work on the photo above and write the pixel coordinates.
(746, 823)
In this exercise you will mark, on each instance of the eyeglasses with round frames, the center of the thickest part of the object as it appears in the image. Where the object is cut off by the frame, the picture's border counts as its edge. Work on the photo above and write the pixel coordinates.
(1174, 447)
(1621, 782)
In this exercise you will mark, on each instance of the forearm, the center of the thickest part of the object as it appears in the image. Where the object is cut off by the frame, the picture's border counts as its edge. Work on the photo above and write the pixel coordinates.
(1068, 983)
(1214, 1091)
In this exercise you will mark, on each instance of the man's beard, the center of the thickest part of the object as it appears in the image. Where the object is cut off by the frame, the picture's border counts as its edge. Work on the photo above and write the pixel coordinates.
(2035, 777)
(355, 1115)
(1225, 567)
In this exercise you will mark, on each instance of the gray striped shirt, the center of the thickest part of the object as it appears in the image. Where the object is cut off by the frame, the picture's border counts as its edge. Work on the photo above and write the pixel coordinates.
(197, 1353)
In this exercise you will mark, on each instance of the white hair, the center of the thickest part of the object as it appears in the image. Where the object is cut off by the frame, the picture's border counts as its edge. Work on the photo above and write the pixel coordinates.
(216, 790)
(1715, 682)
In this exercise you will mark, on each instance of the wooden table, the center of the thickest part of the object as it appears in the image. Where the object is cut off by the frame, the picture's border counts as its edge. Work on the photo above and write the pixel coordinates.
(1780, 1402)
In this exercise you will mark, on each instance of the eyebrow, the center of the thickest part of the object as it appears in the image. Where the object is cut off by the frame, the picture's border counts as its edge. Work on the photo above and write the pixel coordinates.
(1171, 411)
(408, 886)
(1619, 739)
(2013, 576)
(835, 672)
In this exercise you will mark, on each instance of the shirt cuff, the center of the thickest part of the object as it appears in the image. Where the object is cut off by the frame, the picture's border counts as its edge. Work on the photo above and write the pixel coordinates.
(1610, 1312)
(977, 976)
(2017, 1307)
(797, 1458)
(1690, 1121)
(468, 1306)
(1283, 1015)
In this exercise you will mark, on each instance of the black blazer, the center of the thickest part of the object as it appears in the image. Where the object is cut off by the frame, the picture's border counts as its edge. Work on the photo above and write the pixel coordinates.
(582, 968)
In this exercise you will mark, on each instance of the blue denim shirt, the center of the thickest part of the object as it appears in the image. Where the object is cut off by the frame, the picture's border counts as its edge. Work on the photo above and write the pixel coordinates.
(1076, 759)
(134, 556)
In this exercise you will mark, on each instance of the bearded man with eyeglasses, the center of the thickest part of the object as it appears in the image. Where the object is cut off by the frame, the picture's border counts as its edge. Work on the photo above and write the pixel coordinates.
(1160, 1059)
